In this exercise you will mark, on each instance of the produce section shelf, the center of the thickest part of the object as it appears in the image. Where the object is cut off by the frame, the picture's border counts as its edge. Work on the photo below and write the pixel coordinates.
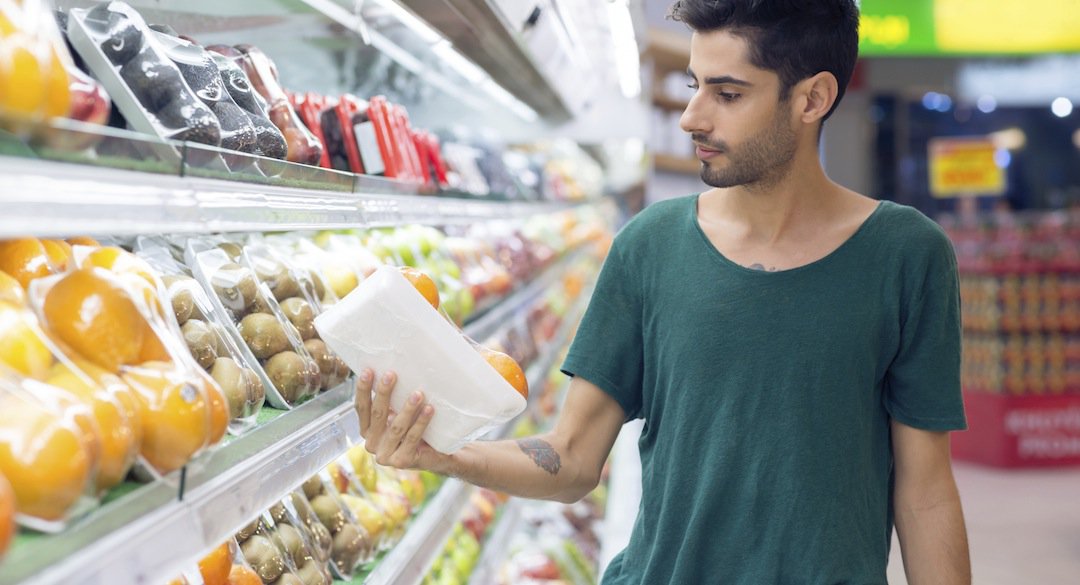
(152, 532)
(498, 544)
(93, 200)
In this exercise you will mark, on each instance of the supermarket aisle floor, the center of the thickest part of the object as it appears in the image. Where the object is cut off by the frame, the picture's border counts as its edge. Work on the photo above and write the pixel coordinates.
(1023, 526)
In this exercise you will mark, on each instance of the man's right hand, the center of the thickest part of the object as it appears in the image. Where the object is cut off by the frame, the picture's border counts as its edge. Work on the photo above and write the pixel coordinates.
(395, 438)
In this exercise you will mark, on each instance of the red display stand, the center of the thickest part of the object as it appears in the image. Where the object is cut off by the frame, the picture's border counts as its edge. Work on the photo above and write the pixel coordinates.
(1020, 431)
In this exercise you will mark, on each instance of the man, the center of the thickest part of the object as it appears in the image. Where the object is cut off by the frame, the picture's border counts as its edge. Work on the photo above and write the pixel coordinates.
(793, 346)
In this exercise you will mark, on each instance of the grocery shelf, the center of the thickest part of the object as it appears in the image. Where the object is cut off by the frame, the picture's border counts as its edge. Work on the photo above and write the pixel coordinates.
(486, 324)
(410, 558)
(152, 532)
(83, 199)
(497, 545)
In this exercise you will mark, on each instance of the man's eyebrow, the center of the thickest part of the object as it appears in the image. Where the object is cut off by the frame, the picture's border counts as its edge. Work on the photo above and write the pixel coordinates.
(727, 80)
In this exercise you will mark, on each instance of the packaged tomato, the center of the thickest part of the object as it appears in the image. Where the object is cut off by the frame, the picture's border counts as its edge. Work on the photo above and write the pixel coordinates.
(303, 146)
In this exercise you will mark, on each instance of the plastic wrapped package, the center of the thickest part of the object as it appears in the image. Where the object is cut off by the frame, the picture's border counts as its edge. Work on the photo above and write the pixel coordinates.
(368, 327)
(146, 86)
(303, 147)
(269, 141)
(379, 115)
(351, 543)
(210, 345)
(310, 556)
(34, 82)
(303, 255)
(201, 74)
(43, 454)
(109, 314)
(309, 106)
(351, 137)
(265, 549)
(255, 320)
(302, 307)
(113, 409)
(318, 535)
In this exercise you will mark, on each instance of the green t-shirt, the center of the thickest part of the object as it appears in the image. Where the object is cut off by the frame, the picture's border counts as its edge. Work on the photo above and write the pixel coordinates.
(766, 455)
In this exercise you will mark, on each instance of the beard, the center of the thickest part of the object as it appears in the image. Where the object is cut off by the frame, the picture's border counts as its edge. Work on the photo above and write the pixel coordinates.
(762, 158)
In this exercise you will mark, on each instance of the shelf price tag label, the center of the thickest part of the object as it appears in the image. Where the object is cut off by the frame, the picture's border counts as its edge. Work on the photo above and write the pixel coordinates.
(965, 167)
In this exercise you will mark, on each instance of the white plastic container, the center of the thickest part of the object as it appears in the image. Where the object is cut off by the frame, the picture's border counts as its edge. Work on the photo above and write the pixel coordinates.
(385, 324)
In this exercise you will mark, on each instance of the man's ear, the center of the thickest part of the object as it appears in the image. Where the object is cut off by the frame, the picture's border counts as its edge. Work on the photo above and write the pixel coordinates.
(816, 94)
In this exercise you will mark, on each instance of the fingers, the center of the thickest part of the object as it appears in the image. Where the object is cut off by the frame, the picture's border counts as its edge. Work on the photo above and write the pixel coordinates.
(362, 400)
(380, 410)
(391, 443)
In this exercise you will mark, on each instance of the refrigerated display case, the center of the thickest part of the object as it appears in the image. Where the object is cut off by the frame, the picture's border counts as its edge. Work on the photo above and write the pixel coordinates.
(64, 178)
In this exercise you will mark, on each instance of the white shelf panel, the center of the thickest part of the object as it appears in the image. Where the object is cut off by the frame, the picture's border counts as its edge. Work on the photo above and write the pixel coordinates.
(150, 534)
(51, 199)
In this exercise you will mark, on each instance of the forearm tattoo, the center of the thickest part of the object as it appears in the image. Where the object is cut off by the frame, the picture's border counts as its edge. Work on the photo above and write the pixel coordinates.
(542, 453)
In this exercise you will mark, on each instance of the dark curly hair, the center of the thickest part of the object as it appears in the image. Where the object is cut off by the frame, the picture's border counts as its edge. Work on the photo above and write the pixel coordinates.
(796, 39)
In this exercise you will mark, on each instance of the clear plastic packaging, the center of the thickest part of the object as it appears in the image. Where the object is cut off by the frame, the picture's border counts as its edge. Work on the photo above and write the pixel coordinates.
(147, 87)
(351, 543)
(201, 74)
(309, 106)
(269, 141)
(301, 309)
(309, 554)
(109, 312)
(267, 551)
(369, 327)
(303, 146)
(34, 82)
(210, 345)
(256, 322)
(47, 454)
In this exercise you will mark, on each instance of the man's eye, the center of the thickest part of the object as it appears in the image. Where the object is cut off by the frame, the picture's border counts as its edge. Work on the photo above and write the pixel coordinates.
(728, 97)
(692, 86)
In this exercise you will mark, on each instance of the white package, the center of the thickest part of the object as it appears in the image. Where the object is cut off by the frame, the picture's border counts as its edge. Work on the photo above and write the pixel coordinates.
(386, 324)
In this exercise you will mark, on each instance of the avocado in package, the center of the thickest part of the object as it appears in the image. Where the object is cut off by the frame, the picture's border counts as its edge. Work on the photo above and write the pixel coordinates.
(255, 320)
(269, 141)
(210, 345)
(369, 329)
(147, 87)
(303, 146)
(201, 73)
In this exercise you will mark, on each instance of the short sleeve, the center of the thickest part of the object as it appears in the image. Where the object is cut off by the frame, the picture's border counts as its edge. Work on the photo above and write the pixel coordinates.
(922, 387)
(607, 349)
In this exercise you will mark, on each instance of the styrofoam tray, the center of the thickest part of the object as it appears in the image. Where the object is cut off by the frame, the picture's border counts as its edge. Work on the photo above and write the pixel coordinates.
(385, 324)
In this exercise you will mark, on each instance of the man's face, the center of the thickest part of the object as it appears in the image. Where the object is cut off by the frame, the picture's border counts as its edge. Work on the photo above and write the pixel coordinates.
(743, 134)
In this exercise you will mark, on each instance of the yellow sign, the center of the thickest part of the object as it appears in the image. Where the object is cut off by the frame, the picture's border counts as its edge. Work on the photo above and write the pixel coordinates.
(1012, 26)
(964, 167)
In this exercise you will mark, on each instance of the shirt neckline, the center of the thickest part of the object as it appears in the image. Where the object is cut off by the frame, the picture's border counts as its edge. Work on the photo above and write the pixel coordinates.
(724, 260)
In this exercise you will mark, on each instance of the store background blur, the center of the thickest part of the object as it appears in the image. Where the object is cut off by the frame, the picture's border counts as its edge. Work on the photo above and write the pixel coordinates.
(965, 111)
